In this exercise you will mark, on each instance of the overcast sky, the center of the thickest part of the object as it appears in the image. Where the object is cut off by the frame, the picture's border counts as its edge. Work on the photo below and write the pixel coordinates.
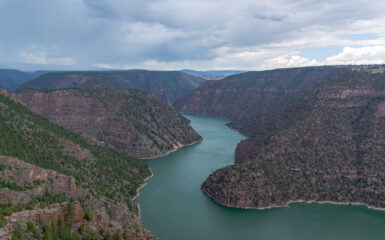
(194, 34)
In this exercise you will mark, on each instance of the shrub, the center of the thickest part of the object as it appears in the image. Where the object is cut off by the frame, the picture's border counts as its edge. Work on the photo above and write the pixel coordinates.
(2, 221)
(88, 215)
(70, 210)
(81, 229)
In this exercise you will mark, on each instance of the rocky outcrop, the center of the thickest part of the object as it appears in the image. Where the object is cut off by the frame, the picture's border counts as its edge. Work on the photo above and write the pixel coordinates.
(34, 183)
(94, 226)
(130, 120)
(165, 85)
(46, 215)
(315, 134)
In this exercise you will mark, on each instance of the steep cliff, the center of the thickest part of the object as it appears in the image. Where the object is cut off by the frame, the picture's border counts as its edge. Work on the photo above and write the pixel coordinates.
(130, 120)
(108, 175)
(165, 85)
(315, 134)
(38, 197)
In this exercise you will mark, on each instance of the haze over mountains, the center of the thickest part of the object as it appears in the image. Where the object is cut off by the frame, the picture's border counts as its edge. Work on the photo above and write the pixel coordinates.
(10, 79)
(212, 75)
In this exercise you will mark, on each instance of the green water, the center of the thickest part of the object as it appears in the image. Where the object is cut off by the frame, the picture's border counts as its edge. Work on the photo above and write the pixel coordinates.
(173, 207)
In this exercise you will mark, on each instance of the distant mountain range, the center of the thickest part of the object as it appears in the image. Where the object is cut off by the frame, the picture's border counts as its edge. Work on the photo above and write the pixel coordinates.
(10, 79)
(212, 75)
(315, 134)
(165, 85)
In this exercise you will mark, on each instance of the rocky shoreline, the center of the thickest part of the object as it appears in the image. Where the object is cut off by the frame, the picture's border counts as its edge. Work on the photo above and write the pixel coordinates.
(142, 186)
(313, 133)
(174, 150)
(297, 201)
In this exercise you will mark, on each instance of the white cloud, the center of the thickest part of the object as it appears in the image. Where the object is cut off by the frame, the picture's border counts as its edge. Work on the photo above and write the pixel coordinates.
(359, 55)
(41, 57)
(288, 61)
(349, 55)
(262, 59)
(106, 66)
(201, 34)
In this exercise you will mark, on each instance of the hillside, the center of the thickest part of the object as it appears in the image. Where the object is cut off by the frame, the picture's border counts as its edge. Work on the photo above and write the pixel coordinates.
(104, 173)
(10, 79)
(130, 120)
(315, 134)
(257, 102)
(32, 200)
(165, 85)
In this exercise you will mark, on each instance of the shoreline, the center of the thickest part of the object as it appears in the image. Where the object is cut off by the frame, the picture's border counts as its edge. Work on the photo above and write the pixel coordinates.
(299, 201)
(142, 186)
(245, 136)
(152, 174)
(206, 115)
(213, 116)
(172, 150)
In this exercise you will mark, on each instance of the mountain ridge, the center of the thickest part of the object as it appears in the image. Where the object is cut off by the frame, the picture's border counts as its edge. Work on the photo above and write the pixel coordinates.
(165, 85)
(130, 120)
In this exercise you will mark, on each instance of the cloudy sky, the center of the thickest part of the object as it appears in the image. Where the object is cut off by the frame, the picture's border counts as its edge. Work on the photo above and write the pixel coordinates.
(195, 34)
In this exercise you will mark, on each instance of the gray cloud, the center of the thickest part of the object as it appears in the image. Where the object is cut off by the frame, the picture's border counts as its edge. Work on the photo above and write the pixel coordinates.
(177, 33)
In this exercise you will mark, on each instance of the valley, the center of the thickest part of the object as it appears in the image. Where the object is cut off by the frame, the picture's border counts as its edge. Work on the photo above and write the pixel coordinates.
(304, 136)
(173, 206)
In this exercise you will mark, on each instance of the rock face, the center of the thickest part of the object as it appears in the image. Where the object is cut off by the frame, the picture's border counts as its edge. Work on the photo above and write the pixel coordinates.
(35, 184)
(129, 120)
(315, 134)
(110, 178)
(165, 85)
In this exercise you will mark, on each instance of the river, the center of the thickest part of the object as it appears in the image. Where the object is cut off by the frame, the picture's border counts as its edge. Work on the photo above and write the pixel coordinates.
(173, 206)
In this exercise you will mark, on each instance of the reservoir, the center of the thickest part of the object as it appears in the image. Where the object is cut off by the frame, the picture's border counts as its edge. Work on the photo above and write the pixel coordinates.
(173, 206)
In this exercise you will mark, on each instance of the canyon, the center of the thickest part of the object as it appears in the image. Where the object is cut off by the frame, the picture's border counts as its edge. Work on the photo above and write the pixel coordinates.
(315, 134)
